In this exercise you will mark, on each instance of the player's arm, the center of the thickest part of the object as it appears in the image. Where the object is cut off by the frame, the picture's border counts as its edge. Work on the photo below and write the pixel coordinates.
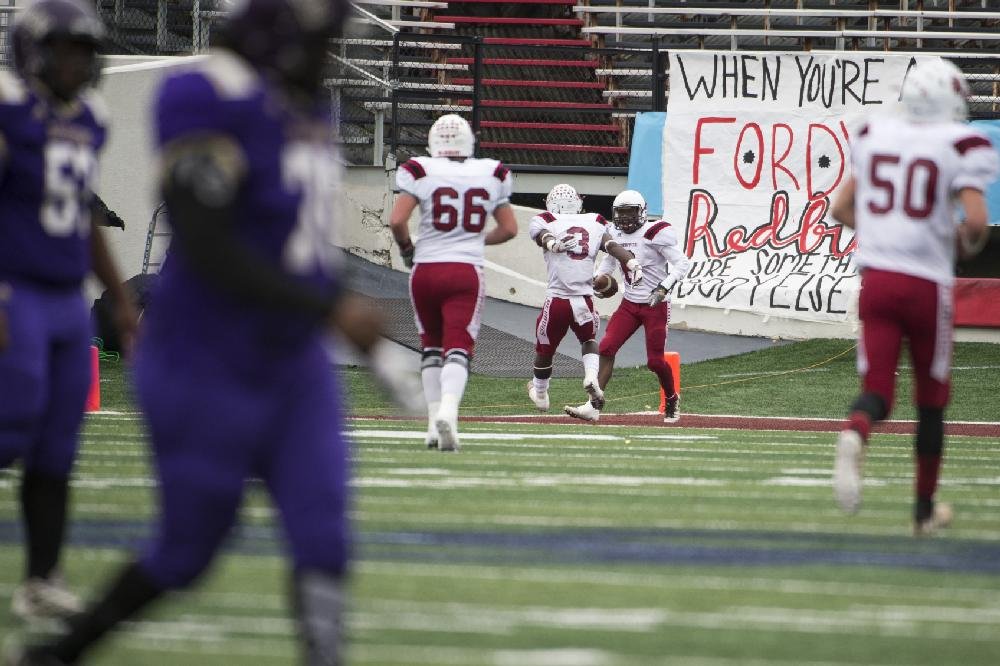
(202, 176)
(625, 258)
(978, 167)
(399, 219)
(843, 203)
(506, 227)
(972, 232)
(103, 265)
(678, 265)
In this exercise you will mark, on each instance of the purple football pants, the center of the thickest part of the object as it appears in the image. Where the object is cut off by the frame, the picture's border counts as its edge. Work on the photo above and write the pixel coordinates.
(44, 378)
(214, 424)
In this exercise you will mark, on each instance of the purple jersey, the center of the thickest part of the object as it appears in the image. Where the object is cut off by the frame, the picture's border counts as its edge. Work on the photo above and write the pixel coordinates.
(284, 208)
(48, 172)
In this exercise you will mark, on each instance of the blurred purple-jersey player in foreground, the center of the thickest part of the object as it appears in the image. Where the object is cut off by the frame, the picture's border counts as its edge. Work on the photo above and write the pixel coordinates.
(51, 129)
(232, 369)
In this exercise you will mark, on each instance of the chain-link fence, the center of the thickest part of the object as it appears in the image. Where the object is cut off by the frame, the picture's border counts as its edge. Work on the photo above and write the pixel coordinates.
(6, 16)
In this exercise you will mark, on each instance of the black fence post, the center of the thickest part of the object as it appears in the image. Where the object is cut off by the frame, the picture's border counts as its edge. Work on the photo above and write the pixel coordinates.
(477, 84)
(394, 93)
(659, 78)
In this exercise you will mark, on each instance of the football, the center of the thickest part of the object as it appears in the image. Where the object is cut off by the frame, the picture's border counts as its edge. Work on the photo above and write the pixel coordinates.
(605, 286)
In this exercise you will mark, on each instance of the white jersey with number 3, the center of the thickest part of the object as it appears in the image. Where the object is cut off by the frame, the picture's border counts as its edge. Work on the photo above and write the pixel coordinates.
(456, 200)
(907, 176)
(571, 272)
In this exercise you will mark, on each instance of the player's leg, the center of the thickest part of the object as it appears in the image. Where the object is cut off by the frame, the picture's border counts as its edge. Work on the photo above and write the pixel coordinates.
(878, 356)
(586, 333)
(929, 329)
(425, 297)
(655, 321)
(462, 312)
(550, 328)
(48, 463)
(623, 323)
(201, 461)
(306, 470)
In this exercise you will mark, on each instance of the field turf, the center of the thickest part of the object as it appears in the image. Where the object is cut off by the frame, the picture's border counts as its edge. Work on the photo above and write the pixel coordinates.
(579, 545)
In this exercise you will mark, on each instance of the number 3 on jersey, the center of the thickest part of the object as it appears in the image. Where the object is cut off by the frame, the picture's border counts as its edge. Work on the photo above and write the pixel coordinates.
(448, 207)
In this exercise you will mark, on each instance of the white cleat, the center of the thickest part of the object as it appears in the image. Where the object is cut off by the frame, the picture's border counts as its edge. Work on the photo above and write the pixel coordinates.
(432, 441)
(44, 599)
(447, 427)
(847, 471)
(584, 412)
(940, 518)
(541, 400)
(595, 392)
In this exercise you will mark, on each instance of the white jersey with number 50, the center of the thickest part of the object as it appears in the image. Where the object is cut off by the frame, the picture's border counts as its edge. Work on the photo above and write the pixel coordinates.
(906, 177)
(456, 200)
(571, 272)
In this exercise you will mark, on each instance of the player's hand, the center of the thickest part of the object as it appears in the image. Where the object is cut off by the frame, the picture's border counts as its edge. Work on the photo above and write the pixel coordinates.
(406, 253)
(565, 244)
(633, 272)
(658, 296)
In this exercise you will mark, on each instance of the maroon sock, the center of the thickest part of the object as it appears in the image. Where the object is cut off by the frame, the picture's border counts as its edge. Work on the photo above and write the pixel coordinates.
(928, 467)
(861, 422)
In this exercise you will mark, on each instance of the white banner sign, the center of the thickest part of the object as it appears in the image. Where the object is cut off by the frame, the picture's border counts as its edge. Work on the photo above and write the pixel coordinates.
(754, 145)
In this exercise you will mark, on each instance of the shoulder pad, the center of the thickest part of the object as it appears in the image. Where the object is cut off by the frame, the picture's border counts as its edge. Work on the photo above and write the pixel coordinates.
(12, 88)
(415, 168)
(230, 75)
(547, 217)
(501, 172)
(970, 142)
(655, 229)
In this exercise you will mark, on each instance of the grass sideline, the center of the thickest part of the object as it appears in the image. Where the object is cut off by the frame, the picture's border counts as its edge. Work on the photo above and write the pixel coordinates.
(544, 545)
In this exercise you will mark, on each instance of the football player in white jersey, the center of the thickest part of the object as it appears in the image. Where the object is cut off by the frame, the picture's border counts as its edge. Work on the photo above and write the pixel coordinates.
(909, 173)
(457, 194)
(646, 301)
(571, 240)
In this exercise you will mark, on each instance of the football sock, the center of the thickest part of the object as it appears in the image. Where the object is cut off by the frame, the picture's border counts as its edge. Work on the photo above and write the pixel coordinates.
(320, 603)
(591, 362)
(43, 507)
(454, 376)
(430, 375)
(929, 447)
(540, 379)
(129, 594)
(869, 408)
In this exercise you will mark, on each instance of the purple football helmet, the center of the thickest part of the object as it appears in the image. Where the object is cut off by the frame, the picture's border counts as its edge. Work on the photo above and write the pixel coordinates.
(42, 21)
(286, 39)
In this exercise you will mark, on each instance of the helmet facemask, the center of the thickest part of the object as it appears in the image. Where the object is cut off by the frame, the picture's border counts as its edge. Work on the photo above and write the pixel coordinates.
(629, 217)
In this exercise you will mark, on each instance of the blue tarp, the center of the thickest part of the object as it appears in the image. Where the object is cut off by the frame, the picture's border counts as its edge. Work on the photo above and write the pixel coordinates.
(645, 167)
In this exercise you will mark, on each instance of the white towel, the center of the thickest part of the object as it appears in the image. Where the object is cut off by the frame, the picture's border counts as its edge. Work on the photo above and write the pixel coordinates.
(581, 311)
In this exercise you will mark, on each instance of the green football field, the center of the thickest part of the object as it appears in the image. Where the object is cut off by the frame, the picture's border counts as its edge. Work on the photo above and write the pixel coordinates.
(579, 545)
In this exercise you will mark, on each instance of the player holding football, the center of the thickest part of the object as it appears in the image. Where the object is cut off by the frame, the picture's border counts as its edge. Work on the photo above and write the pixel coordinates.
(571, 240)
(908, 175)
(232, 369)
(456, 194)
(646, 302)
(52, 127)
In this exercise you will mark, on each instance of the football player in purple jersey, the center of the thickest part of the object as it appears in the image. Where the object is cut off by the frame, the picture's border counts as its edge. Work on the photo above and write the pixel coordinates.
(231, 367)
(51, 129)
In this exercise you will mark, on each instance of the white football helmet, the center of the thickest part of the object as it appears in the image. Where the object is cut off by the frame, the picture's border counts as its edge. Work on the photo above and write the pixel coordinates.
(563, 199)
(935, 91)
(629, 211)
(451, 136)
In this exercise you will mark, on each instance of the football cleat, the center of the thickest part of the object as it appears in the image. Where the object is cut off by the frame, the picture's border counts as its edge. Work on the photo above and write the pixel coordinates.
(42, 599)
(447, 427)
(584, 412)
(672, 410)
(847, 471)
(541, 400)
(939, 518)
(593, 389)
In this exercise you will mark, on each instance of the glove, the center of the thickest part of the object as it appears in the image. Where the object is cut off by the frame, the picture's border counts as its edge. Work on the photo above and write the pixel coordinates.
(633, 272)
(403, 386)
(406, 253)
(565, 245)
(658, 296)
